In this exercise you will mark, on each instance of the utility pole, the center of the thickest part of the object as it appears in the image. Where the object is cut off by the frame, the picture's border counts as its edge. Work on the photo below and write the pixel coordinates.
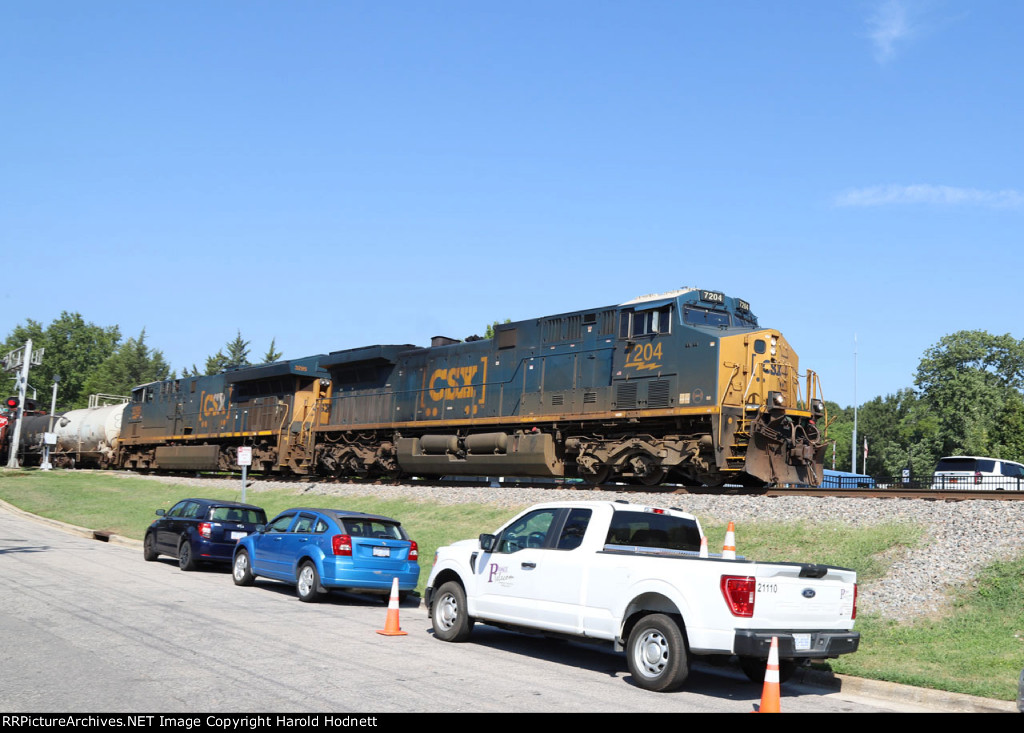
(853, 440)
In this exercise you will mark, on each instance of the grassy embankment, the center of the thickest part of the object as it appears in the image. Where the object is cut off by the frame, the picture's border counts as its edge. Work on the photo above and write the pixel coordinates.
(978, 648)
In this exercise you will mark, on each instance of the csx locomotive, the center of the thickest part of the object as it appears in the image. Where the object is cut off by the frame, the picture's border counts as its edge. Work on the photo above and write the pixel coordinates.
(682, 386)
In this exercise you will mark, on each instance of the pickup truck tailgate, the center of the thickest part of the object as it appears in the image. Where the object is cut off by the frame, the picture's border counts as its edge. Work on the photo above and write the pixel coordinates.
(796, 596)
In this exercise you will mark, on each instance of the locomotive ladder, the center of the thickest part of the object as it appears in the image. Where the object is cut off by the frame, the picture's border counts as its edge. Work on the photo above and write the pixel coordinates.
(737, 461)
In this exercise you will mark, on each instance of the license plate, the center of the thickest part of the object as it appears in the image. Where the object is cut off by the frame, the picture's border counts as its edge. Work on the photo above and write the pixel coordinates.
(239, 535)
(382, 552)
(802, 642)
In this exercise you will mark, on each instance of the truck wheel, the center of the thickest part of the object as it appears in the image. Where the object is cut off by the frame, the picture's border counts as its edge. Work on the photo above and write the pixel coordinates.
(656, 653)
(449, 613)
(755, 667)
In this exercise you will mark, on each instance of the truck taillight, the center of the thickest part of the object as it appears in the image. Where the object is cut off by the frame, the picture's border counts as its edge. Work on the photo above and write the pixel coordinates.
(738, 592)
(414, 551)
(341, 544)
(205, 530)
(854, 614)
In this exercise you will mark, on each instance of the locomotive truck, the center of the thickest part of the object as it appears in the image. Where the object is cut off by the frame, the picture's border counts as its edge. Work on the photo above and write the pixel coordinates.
(682, 386)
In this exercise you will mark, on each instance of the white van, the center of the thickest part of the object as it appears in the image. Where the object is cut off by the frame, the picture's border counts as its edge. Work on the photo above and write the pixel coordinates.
(974, 473)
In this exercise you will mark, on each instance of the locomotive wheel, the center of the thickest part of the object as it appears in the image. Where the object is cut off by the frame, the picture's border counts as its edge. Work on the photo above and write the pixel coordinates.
(646, 470)
(598, 476)
(653, 477)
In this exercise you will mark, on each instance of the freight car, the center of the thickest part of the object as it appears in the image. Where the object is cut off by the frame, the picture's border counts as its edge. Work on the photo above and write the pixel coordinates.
(85, 438)
(682, 386)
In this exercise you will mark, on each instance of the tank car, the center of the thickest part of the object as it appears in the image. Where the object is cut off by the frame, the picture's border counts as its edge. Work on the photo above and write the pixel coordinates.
(86, 438)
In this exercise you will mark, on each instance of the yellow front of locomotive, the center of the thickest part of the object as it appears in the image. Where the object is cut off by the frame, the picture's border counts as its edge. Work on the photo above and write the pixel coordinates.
(772, 416)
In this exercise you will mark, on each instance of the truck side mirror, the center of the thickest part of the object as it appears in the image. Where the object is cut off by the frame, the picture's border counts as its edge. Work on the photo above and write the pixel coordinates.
(487, 542)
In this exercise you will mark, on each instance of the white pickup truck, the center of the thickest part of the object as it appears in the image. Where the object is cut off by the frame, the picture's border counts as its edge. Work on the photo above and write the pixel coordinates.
(632, 575)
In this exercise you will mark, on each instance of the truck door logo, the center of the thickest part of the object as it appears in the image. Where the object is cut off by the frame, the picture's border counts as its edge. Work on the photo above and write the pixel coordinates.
(499, 574)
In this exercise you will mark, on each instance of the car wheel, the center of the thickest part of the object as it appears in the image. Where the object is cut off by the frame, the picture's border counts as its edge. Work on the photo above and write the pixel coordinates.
(149, 548)
(241, 569)
(186, 558)
(308, 583)
(656, 653)
(755, 667)
(451, 623)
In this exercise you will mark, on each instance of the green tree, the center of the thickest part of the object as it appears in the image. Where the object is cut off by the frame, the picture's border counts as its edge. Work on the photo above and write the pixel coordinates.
(132, 363)
(489, 333)
(74, 350)
(235, 354)
(272, 354)
(970, 383)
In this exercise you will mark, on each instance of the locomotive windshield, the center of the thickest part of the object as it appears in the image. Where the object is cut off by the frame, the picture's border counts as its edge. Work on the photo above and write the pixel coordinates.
(706, 317)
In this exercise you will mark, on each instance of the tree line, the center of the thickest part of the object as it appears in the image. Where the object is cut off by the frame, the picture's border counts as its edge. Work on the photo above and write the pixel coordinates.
(966, 400)
(91, 359)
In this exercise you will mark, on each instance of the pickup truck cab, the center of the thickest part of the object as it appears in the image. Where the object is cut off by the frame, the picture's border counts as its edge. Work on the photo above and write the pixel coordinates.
(632, 576)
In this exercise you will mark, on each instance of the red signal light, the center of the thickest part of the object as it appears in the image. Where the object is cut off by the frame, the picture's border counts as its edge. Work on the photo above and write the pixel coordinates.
(11, 403)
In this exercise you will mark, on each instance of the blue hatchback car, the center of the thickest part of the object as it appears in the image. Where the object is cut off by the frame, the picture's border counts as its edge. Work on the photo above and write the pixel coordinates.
(324, 549)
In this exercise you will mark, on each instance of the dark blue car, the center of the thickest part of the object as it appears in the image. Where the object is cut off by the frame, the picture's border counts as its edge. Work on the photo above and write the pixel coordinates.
(318, 550)
(201, 530)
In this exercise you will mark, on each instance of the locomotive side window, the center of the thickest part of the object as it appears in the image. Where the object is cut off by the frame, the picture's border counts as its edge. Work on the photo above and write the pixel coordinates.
(653, 321)
(645, 322)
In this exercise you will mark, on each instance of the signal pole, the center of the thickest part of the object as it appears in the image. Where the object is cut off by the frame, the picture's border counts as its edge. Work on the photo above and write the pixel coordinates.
(23, 357)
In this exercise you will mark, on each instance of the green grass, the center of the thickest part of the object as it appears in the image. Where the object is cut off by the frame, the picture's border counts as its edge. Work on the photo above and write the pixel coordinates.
(977, 649)
(868, 550)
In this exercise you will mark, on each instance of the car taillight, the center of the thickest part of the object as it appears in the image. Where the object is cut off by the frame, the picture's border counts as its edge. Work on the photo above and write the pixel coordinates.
(341, 544)
(977, 477)
(738, 592)
(205, 530)
(414, 551)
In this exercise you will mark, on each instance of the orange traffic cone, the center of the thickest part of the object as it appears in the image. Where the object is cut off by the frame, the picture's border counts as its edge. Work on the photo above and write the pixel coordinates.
(391, 627)
(729, 548)
(770, 694)
(703, 546)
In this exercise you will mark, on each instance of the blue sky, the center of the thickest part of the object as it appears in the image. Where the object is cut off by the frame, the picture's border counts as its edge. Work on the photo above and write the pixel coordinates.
(337, 174)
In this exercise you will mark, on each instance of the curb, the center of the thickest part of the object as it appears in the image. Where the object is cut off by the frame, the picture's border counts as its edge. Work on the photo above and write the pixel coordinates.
(953, 702)
(91, 534)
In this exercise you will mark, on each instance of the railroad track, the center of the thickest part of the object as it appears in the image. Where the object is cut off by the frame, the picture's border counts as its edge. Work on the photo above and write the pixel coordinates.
(619, 488)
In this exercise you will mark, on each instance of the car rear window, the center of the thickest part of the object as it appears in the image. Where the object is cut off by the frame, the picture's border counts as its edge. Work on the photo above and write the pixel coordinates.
(237, 514)
(663, 531)
(969, 465)
(373, 528)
